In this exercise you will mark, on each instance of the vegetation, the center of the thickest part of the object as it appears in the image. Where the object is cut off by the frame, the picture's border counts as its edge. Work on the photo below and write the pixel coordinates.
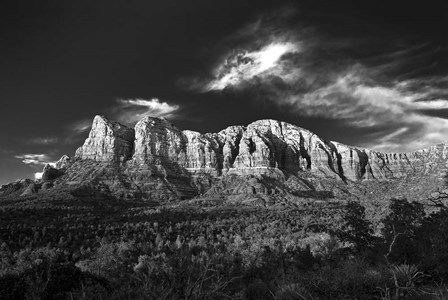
(102, 249)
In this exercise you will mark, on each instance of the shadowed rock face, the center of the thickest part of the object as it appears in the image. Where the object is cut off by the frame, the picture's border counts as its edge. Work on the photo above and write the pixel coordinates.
(49, 173)
(159, 161)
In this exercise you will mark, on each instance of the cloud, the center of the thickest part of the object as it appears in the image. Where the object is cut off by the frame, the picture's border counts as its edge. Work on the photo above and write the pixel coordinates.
(245, 66)
(76, 131)
(130, 111)
(35, 159)
(126, 111)
(378, 86)
(394, 113)
(81, 126)
(42, 141)
(400, 115)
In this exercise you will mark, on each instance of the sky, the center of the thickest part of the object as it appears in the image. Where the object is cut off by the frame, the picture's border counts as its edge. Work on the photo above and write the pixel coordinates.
(365, 73)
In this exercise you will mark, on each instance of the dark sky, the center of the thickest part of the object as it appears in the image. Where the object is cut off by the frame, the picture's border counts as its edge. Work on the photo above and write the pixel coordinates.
(365, 73)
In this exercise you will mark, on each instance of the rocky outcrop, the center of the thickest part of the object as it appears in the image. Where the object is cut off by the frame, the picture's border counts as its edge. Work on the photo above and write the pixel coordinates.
(160, 162)
(230, 140)
(16, 187)
(260, 148)
(31, 189)
(63, 162)
(49, 173)
(107, 141)
(202, 153)
(157, 140)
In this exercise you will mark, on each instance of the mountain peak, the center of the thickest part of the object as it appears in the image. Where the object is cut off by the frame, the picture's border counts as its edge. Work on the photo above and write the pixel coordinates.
(100, 118)
(154, 120)
(107, 141)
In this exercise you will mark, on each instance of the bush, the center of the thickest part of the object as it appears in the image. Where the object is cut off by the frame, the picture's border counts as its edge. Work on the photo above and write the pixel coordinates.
(350, 279)
(322, 245)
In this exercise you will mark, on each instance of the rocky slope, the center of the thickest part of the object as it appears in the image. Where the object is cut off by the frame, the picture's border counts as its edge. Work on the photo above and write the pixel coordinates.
(265, 162)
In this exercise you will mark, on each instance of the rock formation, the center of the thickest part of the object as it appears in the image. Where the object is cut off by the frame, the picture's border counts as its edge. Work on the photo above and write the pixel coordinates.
(261, 147)
(160, 162)
(49, 173)
(157, 140)
(63, 162)
(107, 141)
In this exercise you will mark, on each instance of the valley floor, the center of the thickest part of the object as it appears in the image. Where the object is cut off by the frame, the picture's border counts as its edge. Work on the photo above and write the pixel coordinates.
(104, 249)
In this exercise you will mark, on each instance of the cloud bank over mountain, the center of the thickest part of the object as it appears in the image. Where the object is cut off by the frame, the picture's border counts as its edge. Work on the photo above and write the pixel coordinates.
(130, 111)
(302, 70)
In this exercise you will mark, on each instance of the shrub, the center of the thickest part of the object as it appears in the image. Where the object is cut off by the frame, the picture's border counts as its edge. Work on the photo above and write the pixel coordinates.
(322, 245)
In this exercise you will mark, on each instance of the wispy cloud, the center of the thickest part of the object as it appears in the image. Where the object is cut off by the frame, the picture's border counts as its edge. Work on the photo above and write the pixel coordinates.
(42, 141)
(35, 159)
(244, 67)
(393, 112)
(315, 75)
(81, 126)
(130, 111)
(125, 111)
(76, 131)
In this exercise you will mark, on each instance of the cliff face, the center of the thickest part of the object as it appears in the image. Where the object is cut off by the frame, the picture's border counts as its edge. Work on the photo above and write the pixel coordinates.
(156, 160)
(258, 148)
(157, 140)
(107, 141)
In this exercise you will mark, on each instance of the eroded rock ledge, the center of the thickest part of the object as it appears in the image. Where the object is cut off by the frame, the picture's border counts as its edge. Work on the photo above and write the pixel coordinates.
(260, 147)
(265, 162)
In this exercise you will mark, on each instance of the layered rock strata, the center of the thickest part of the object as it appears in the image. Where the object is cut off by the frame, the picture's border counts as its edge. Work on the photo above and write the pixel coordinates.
(158, 160)
(107, 141)
(260, 147)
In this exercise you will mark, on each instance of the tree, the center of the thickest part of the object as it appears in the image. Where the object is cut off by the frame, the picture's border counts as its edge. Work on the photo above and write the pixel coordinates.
(355, 229)
(435, 230)
(402, 231)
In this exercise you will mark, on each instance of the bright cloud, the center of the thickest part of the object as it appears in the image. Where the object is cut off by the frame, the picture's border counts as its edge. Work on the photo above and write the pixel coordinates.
(126, 111)
(130, 111)
(318, 76)
(35, 159)
(38, 175)
(244, 66)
